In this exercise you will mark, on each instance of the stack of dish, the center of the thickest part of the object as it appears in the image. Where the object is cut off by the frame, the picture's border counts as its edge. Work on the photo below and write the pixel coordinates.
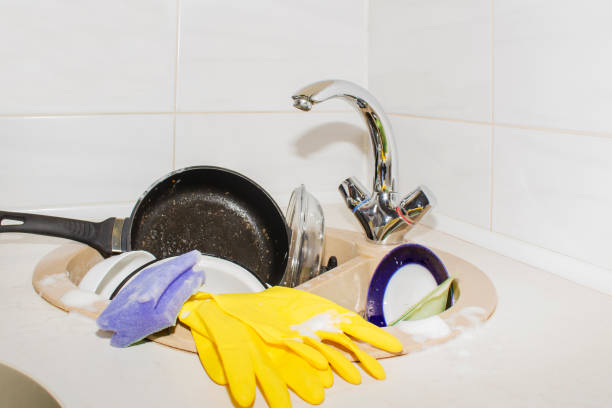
(108, 277)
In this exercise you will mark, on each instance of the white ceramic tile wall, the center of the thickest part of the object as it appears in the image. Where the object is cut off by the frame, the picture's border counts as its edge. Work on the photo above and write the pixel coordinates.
(470, 86)
(552, 189)
(81, 160)
(253, 57)
(536, 73)
(432, 58)
(452, 159)
(91, 90)
(87, 56)
(279, 151)
(552, 64)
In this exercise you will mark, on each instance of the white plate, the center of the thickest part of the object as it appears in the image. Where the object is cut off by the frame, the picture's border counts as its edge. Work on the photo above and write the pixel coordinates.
(105, 276)
(223, 276)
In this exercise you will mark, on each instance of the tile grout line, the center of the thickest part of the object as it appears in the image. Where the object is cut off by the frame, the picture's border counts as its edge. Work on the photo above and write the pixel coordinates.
(176, 78)
(508, 125)
(228, 112)
(492, 106)
(367, 43)
(492, 180)
(365, 143)
(320, 112)
(174, 142)
(492, 96)
(35, 115)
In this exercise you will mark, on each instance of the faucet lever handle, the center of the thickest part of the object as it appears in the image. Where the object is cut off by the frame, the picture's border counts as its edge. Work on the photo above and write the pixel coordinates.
(353, 192)
(416, 204)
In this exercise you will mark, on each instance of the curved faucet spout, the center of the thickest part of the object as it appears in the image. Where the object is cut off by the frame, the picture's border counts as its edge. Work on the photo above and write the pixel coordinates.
(383, 145)
(384, 215)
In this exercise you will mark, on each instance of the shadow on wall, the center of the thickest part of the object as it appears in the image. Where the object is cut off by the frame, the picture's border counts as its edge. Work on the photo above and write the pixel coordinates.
(318, 138)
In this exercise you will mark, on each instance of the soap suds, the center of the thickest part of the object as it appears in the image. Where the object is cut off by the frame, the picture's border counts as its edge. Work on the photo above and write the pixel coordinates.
(325, 321)
(435, 327)
(79, 298)
(51, 280)
(474, 316)
(425, 329)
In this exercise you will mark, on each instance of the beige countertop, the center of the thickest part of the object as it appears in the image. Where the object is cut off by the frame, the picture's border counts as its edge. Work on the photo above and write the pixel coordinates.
(547, 344)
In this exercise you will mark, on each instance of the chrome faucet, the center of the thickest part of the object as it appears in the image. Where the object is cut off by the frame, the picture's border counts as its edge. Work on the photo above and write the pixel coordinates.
(383, 214)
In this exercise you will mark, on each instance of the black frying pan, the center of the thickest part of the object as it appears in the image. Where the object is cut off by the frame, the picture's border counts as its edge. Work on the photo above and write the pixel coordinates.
(215, 210)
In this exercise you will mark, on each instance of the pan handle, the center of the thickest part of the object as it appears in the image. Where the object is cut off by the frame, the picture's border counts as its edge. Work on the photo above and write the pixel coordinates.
(98, 235)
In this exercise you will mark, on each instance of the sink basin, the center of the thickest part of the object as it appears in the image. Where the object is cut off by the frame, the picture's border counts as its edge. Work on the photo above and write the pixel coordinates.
(59, 273)
(19, 390)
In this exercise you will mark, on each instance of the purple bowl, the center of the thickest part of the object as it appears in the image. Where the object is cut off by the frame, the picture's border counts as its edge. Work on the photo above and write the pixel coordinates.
(393, 262)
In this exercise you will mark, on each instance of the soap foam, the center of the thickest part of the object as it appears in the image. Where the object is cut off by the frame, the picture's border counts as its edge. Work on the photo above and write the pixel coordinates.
(325, 321)
(425, 329)
(51, 280)
(474, 315)
(79, 298)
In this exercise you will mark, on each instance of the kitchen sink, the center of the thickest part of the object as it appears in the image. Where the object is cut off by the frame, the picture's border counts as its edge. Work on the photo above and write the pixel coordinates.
(475, 299)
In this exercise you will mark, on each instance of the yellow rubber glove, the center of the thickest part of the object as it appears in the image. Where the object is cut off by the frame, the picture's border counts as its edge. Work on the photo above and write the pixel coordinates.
(240, 356)
(288, 317)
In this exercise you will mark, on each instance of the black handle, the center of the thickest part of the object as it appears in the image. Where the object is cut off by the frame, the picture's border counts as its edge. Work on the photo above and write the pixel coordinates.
(98, 235)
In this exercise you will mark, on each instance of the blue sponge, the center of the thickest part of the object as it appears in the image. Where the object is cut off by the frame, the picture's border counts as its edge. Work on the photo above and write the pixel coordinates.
(152, 300)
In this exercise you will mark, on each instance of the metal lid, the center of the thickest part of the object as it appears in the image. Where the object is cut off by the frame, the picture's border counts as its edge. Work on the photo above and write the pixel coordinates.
(305, 218)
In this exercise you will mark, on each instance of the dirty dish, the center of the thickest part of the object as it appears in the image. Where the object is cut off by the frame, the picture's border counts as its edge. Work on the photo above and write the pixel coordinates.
(402, 278)
(214, 210)
(306, 221)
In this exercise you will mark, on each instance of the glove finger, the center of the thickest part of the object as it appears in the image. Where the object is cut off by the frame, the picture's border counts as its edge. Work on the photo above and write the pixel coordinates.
(326, 376)
(232, 341)
(209, 358)
(339, 362)
(315, 358)
(272, 386)
(299, 375)
(374, 335)
(369, 363)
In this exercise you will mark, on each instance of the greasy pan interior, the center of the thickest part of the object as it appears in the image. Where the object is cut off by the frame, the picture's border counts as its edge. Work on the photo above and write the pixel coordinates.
(217, 211)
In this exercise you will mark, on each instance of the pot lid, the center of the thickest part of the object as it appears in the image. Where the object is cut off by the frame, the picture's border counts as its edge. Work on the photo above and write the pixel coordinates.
(305, 218)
